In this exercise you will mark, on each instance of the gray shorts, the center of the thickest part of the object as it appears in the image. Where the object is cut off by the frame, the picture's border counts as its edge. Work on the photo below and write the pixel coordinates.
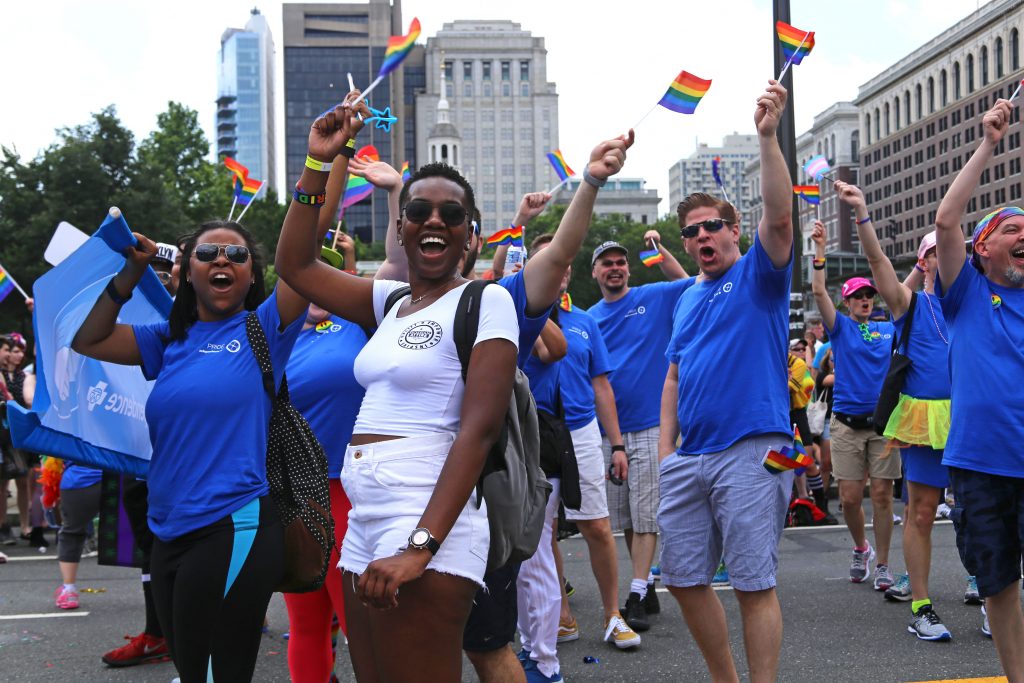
(634, 505)
(723, 504)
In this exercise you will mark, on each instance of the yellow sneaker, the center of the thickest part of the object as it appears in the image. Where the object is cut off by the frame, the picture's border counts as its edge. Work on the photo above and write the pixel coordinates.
(568, 630)
(619, 633)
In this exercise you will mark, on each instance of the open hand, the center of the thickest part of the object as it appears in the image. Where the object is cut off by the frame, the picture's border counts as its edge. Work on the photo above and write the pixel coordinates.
(380, 173)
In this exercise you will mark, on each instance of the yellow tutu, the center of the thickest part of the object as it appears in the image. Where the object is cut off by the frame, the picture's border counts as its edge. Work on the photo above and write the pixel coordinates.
(919, 422)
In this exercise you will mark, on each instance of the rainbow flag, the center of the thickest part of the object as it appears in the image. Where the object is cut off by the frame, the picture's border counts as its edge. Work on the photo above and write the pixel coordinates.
(787, 458)
(714, 170)
(684, 93)
(651, 257)
(565, 302)
(357, 189)
(512, 235)
(241, 172)
(246, 191)
(399, 48)
(809, 193)
(791, 37)
(6, 284)
(406, 173)
(817, 166)
(562, 169)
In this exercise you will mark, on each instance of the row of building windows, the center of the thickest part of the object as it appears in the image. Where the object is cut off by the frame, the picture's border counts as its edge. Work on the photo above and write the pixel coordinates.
(486, 69)
(889, 119)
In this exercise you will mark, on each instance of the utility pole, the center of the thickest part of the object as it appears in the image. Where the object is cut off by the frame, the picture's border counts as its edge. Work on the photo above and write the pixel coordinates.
(787, 141)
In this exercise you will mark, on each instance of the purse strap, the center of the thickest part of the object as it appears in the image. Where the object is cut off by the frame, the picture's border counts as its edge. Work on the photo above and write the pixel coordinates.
(261, 350)
(905, 337)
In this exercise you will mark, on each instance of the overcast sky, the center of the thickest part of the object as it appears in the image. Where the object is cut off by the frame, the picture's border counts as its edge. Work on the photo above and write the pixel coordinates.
(610, 61)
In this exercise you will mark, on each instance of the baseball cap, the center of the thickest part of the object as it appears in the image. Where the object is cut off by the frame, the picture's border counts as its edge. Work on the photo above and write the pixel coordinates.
(855, 283)
(607, 246)
(927, 242)
(166, 252)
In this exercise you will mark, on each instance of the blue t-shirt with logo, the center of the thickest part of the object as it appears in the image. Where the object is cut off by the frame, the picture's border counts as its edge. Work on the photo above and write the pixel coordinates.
(636, 330)
(860, 352)
(729, 339)
(586, 358)
(529, 328)
(323, 387)
(986, 357)
(208, 417)
(79, 476)
(928, 374)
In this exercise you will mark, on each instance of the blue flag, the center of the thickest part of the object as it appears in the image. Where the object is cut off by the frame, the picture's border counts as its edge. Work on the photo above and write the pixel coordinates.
(90, 412)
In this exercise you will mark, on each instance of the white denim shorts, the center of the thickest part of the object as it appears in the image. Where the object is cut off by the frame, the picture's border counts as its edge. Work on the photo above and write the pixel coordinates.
(389, 484)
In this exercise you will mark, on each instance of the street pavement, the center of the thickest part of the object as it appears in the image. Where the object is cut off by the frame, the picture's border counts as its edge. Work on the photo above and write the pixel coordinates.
(834, 630)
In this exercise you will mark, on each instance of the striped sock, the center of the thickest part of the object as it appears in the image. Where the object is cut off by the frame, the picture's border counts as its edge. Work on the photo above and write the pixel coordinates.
(814, 483)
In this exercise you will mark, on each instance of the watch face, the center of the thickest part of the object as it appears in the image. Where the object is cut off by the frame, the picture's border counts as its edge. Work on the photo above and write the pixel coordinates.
(420, 537)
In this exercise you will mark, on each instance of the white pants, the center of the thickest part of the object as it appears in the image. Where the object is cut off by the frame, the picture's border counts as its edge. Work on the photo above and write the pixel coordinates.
(540, 595)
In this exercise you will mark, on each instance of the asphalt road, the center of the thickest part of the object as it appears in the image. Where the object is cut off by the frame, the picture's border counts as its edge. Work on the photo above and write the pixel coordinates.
(834, 630)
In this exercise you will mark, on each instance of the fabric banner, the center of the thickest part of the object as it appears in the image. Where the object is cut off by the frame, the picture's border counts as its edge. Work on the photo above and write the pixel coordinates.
(84, 410)
(117, 546)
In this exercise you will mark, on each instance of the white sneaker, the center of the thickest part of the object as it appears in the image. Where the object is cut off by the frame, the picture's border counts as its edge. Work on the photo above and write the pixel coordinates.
(942, 512)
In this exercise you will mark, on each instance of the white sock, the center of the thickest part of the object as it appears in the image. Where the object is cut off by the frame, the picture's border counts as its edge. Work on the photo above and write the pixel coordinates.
(70, 587)
(638, 586)
(651, 578)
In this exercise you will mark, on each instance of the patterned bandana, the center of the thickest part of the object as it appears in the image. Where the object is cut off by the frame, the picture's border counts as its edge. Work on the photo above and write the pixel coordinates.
(985, 227)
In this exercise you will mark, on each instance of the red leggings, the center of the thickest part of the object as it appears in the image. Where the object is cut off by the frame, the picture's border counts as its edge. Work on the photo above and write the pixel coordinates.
(310, 659)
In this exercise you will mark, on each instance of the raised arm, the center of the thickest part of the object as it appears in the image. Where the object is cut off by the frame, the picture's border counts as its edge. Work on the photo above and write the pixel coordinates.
(670, 267)
(894, 293)
(776, 228)
(544, 272)
(530, 206)
(550, 346)
(383, 175)
(949, 237)
(668, 431)
(297, 261)
(821, 296)
(101, 336)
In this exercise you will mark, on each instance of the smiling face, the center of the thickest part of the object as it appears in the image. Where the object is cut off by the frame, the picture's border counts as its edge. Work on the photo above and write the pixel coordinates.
(714, 252)
(220, 285)
(1003, 253)
(611, 270)
(433, 247)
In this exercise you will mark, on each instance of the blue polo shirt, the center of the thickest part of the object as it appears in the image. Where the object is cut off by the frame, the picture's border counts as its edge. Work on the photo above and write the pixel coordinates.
(636, 330)
(729, 339)
(861, 353)
(986, 358)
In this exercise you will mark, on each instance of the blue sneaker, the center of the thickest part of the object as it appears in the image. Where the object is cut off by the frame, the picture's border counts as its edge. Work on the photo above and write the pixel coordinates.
(524, 657)
(721, 577)
(971, 596)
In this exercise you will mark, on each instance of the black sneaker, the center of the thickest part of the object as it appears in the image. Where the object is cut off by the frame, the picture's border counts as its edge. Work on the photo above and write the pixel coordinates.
(6, 538)
(650, 601)
(634, 613)
(36, 539)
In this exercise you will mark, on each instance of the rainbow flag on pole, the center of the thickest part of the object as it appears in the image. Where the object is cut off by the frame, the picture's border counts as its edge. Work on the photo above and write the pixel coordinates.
(246, 191)
(512, 235)
(357, 189)
(399, 48)
(562, 169)
(241, 172)
(6, 284)
(651, 257)
(809, 193)
(787, 458)
(406, 174)
(684, 93)
(791, 39)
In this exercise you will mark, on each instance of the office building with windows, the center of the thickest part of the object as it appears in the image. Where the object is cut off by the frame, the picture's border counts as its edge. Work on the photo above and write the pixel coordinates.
(626, 197)
(693, 174)
(323, 43)
(245, 98)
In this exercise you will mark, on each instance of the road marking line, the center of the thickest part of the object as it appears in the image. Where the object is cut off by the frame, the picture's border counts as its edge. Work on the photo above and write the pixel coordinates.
(990, 679)
(717, 588)
(29, 558)
(834, 527)
(42, 615)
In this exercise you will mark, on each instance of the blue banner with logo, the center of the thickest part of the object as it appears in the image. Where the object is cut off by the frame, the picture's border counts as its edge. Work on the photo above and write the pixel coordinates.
(84, 410)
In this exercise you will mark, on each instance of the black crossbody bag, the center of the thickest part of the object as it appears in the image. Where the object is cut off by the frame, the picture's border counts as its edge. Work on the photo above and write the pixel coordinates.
(899, 365)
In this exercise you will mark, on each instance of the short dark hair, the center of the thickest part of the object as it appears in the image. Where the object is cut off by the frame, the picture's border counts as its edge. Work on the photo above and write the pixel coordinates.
(184, 311)
(703, 199)
(541, 240)
(439, 170)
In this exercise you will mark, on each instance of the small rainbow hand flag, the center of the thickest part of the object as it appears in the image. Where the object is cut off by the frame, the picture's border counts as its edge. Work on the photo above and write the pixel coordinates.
(357, 189)
(684, 93)
(788, 458)
(565, 302)
(714, 170)
(406, 174)
(809, 193)
(241, 172)
(6, 284)
(562, 169)
(246, 191)
(512, 235)
(399, 48)
(791, 39)
(651, 257)
(817, 166)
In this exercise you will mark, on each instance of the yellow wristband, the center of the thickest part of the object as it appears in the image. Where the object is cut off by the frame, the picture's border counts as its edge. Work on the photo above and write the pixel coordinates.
(317, 165)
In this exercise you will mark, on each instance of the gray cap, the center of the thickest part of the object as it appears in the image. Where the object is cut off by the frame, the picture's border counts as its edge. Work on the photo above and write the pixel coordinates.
(607, 246)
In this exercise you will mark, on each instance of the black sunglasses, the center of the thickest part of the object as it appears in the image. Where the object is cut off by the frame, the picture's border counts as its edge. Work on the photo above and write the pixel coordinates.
(711, 225)
(207, 252)
(862, 294)
(420, 211)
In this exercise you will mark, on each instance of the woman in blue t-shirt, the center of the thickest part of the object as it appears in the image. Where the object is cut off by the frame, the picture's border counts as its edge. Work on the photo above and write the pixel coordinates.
(219, 548)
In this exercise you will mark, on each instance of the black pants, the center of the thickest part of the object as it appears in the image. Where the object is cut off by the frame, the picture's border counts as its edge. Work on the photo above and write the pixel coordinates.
(211, 589)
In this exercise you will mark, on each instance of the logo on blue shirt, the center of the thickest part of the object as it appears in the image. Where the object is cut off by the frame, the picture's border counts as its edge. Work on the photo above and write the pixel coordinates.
(639, 310)
(232, 346)
(583, 333)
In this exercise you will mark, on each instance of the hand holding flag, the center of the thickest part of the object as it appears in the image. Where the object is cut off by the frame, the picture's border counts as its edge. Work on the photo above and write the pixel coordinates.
(653, 256)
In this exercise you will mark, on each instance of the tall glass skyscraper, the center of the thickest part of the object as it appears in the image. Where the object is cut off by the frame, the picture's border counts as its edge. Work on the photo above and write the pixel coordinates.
(322, 43)
(245, 98)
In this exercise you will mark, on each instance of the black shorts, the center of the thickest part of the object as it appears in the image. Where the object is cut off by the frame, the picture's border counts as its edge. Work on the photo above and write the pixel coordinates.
(492, 621)
(989, 519)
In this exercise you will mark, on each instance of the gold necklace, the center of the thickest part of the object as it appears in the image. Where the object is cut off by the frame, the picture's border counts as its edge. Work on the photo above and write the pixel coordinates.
(421, 297)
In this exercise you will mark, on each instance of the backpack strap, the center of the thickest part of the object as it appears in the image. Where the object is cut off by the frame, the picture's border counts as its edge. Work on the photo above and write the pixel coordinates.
(467, 321)
(904, 339)
(261, 350)
(393, 298)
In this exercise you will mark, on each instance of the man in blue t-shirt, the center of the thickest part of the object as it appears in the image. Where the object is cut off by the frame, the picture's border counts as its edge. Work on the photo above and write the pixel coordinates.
(717, 497)
(861, 349)
(636, 323)
(983, 303)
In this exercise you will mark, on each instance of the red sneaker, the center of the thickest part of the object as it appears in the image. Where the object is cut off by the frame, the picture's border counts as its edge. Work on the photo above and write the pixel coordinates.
(139, 649)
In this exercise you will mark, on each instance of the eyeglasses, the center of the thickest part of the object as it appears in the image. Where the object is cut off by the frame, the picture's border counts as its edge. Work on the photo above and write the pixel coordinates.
(710, 225)
(163, 276)
(420, 211)
(608, 263)
(862, 294)
(207, 253)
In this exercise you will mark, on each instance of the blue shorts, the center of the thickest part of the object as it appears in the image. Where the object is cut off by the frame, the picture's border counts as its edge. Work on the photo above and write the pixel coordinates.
(723, 504)
(989, 520)
(923, 465)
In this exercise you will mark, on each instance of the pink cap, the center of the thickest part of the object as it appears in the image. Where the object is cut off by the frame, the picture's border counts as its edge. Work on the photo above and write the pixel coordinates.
(855, 283)
(927, 242)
